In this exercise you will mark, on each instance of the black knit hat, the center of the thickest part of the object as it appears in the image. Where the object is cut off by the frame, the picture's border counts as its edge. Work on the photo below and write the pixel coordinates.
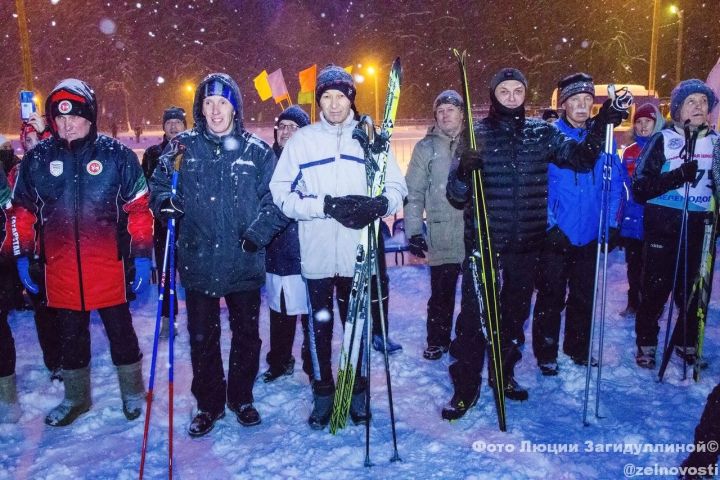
(507, 74)
(333, 77)
(174, 113)
(448, 96)
(294, 114)
(574, 84)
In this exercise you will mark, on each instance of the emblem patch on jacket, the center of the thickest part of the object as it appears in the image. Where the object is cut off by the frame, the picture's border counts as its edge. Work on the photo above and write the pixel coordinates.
(56, 168)
(94, 167)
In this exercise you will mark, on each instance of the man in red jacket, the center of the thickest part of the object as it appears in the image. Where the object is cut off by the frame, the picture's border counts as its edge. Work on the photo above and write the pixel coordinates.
(85, 196)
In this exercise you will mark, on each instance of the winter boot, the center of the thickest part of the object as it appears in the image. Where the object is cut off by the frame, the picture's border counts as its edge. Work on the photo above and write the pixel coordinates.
(322, 410)
(358, 411)
(77, 398)
(203, 423)
(392, 347)
(512, 390)
(459, 404)
(434, 352)
(132, 389)
(645, 356)
(9, 408)
(247, 415)
(273, 373)
(549, 369)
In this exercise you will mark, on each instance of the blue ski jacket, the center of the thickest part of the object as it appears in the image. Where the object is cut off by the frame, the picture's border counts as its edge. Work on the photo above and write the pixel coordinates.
(574, 198)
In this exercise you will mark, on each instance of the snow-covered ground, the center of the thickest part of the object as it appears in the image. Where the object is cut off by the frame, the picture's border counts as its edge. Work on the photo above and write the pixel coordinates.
(638, 412)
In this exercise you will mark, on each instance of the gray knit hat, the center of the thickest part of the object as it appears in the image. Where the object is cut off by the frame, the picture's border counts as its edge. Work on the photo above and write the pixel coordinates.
(448, 96)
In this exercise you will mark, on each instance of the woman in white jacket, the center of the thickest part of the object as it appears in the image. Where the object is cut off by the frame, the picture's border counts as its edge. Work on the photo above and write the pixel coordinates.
(320, 181)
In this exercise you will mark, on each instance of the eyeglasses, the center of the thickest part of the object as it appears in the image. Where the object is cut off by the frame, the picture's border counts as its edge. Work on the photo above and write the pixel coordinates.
(287, 126)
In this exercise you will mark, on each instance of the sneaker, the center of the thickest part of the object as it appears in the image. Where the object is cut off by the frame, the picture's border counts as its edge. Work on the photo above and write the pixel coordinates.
(582, 360)
(434, 352)
(273, 374)
(645, 357)
(549, 369)
(392, 347)
(203, 423)
(247, 414)
(457, 407)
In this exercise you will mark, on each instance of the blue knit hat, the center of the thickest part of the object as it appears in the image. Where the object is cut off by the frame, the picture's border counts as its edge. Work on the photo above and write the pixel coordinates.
(294, 114)
(686, 88)
(217, 87)
(333, 77)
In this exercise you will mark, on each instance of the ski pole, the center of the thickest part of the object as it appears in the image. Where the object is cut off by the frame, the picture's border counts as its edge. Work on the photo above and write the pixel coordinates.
(171, 340)
(383, 331)
(368, 332)
(169, 243)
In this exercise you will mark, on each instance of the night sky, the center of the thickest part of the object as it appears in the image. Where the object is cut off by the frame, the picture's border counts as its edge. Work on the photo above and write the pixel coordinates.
(122, 48)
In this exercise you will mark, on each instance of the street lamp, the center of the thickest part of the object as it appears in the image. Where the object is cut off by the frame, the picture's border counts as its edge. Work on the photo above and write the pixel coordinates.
(678, 60)
(374, 73)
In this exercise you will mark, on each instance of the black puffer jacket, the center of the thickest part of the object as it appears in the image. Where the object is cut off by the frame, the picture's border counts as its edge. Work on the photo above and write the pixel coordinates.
(223, 190)
(516, 152)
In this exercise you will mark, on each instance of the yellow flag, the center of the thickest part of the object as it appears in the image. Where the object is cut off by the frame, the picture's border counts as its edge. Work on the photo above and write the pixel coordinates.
(263, 86)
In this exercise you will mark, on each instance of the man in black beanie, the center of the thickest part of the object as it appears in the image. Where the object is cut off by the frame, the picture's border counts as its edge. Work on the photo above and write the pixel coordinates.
(174, 122)
(513, 154)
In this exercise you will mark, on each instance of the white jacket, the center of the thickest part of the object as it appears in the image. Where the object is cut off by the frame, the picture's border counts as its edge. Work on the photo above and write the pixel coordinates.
(323, 159)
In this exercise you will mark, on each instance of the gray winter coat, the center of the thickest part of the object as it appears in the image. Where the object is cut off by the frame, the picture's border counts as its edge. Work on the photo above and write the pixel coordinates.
(426, 178)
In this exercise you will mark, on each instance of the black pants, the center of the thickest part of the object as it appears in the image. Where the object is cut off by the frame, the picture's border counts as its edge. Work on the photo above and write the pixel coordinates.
(564, 269)
(468, 348)
(282, 336)
(75, 336)
(441, 305)
(7, 346)
(46, 324)
(208, 384)
(659, 267)
(159, 236)
(633, 258)
(321, 301)
(708, 430)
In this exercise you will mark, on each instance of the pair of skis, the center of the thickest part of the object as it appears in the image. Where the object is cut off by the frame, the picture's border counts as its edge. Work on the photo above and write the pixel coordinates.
(358, 324)
(483, 264)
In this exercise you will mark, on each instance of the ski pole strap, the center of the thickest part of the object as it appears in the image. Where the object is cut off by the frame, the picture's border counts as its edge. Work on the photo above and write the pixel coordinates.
(621, 98)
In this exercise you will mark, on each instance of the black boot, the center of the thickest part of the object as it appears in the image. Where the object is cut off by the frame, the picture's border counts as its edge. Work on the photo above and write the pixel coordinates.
(459, 404)
(359, 409)
(273, 373)
(247, 415)
(203, 423)
(323, 399)
(514, 391)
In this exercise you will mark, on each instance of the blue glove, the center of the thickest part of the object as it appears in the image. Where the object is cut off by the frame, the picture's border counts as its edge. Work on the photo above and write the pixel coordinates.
(142, 274)
(23, 266)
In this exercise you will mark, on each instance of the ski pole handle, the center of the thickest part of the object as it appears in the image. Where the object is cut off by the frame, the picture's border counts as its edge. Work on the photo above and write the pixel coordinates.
(621, 98)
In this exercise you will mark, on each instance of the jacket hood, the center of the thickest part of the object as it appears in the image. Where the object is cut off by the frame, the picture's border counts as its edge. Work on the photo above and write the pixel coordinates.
(659, 125)
(199, 118)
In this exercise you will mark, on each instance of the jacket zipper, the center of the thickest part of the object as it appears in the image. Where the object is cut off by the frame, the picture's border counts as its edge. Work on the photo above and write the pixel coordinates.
(337, 160)
(78, 164)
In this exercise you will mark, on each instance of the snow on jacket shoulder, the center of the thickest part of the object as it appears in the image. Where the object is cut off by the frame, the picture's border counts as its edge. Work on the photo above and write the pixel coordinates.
(223, 190)
(323, 159)
(426, 178)
(574, 198)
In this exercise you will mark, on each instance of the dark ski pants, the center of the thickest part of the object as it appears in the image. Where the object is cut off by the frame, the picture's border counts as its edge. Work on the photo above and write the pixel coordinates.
(46, 324)
(75, 336)
(282, 336)
(208, 384)
(468, 348)
(634, 259)
(441, 305)
(659, 268)
(7, 346)
(708, 430)
(321, 302)
(159, 236)
(564, 269)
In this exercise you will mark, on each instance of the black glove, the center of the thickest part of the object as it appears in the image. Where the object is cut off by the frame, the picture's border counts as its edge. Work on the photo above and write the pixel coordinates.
(170, 209)
(688, 171)
(470, 160)
(355, 211)
(609, 114)
(418, 245)
(613, 238)
(248, 246)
